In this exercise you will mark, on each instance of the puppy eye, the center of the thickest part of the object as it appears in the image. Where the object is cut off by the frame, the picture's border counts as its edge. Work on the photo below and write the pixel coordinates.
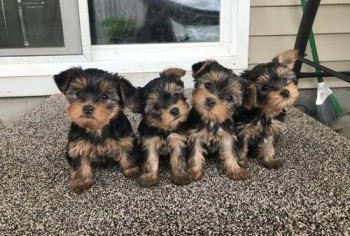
(229, 98)
(176, 95)
(265, 87)
(156, 106)
(207, 85)
(285, 80)
(78, 94)
(104, 96)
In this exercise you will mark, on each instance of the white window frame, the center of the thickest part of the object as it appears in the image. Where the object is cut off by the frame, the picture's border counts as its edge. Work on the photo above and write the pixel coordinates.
(28, 76)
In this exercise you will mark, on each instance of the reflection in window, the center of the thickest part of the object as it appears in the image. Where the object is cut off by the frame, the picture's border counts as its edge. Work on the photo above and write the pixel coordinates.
(30, 24)
(154, 21)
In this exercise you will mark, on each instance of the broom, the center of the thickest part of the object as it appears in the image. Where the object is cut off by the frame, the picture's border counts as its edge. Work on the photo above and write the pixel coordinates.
(328, 107)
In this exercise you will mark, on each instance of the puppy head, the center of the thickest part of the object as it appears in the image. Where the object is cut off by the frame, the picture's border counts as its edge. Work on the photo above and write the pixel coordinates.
(218, 91)
(272, 86)
(92, 94)
(161, 101)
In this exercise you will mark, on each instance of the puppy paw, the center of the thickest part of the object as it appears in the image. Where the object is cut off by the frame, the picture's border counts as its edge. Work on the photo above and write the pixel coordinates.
(273, 163)
(132, 172)
(195, 174)
(239, 174)
(243, 163)
(147, 180)
(181, 178)
(80, 185)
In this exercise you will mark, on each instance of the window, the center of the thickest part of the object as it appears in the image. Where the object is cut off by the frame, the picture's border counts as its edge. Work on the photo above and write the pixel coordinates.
(154, 21)
(39, 27)
(137, 38)
(148, 36)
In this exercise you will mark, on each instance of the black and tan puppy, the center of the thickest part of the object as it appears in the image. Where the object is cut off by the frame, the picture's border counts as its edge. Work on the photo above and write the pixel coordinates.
(272, 88)
(217, 94)
(100, 133)
(162, 130)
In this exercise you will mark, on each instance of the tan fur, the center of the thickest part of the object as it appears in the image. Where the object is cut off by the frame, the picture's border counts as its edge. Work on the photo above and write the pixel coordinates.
(101, 115)
(173, 88)
(81, 178)
(197, 160)
(79, 83)
(281, 71)
(263, 79)
(106, 87)
(205, 64)
(236, 89)
(149, 174)
(218, 113)
(152, 99)
(177, 72)
(229, 159)
(177, 162)
(156, 146)
(110, 147)
(227, 154)
(250, 131)
(214, 75)
(275, 103)
(116, 149)
(167, 121)
(288, 57)
(267, 152)
(250, 102)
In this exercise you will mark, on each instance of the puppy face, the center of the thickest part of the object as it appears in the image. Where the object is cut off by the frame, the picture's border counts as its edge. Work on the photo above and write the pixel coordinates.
(162, 101)
(217, 93)
(92, 95)
(272, 86)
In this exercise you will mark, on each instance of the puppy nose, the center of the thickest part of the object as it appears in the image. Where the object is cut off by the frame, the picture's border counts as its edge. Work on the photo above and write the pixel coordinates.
(285, 93)
(175, 111)
(211, 102)
(88, 109)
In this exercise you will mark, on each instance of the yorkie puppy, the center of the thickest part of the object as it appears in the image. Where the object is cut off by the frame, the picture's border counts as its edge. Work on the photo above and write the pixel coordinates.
(217, 94)
(100, 133)
(162, 130)
(271, 89)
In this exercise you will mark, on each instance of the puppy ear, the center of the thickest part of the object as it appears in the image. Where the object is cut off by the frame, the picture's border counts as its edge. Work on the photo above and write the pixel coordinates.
(201, 68)
(131, 96)
(288, 58)
(173, 72)
(63, 79)
(249, 97)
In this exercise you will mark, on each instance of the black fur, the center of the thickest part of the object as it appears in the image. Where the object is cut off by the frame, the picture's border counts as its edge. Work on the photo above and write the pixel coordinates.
(96, 98)
(119, 127)
(253, 116)
(139, 102)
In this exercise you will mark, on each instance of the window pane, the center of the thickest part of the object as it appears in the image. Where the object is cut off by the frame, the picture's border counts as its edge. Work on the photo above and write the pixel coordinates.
(30, 24)
(154, 21)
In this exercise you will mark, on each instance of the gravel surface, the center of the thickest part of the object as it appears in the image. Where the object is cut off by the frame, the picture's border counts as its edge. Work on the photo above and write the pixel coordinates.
(309, 195)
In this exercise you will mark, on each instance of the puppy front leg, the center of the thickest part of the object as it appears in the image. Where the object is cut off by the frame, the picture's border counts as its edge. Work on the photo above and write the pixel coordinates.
(267, 153)
(178, 158)
(242, 152)
(229, 158)
(128, 163)
(149, 176)
(81, 174)
(127, 157)
(196, 160)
